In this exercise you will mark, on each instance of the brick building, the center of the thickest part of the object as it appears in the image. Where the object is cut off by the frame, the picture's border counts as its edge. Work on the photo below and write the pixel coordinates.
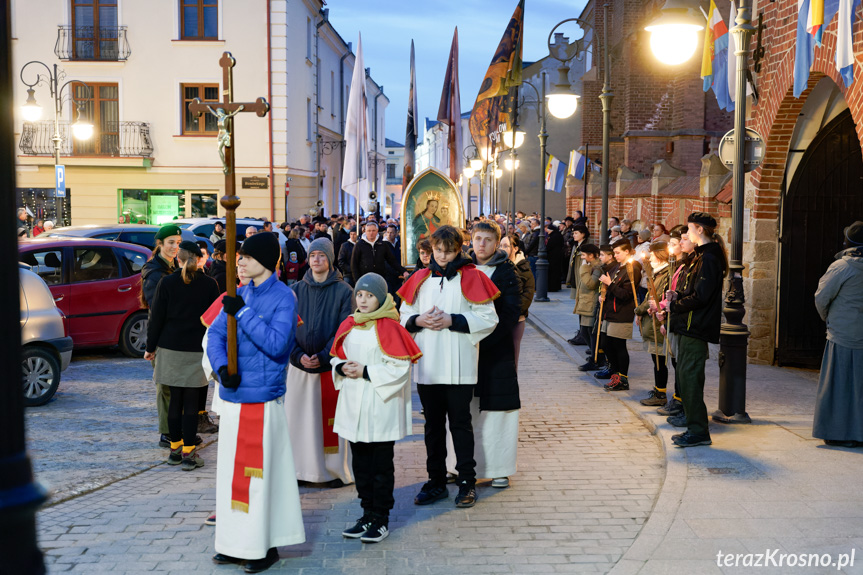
(665, 132)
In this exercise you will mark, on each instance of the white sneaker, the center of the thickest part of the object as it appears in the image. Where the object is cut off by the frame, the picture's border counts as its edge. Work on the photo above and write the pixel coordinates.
(500, 482)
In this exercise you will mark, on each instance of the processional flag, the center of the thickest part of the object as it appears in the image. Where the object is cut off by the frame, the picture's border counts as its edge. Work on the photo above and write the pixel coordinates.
(355, 173)
(813, 16)
(412, 131)
(449, 112)
(504, 72)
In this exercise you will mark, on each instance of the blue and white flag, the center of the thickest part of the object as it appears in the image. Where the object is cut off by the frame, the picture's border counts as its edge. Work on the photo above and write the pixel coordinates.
(555, 172)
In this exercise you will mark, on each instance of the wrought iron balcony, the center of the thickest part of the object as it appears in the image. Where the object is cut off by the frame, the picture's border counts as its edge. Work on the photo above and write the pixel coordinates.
(394, 181)
(112, 139)
(100, 43)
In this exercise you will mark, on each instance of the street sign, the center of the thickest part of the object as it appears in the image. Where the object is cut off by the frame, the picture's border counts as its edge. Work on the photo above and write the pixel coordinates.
(256, 183)
(60, 177)
(753, 153)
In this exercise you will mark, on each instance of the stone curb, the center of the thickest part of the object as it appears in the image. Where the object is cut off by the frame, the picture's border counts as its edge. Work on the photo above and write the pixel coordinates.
(676, 469)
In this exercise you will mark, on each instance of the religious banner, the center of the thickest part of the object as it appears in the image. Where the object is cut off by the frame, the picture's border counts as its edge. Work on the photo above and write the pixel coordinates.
(430, 201)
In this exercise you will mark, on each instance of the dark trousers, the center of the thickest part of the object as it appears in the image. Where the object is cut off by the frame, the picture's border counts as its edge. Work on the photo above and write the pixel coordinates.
(588, 334)
(202, 400)
(183, 414)
(676, 391)
(660, 372)
(616, 352)
(691, 356)
(641, 293)
(443, 403)
(375, 475)
(532, 263)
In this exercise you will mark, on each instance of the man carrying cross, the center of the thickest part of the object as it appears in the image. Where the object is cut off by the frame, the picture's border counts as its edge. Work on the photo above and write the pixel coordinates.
(248, 346)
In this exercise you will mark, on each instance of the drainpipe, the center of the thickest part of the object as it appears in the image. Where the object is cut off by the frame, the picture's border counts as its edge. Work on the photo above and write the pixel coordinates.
(270, 116)
(325, 15)
(342, 121)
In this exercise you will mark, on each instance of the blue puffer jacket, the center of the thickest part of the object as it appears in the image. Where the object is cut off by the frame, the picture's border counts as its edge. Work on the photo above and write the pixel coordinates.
(265, 338)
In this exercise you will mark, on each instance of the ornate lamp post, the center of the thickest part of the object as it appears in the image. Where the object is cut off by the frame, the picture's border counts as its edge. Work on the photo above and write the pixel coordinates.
(672, 38)
(82, 129)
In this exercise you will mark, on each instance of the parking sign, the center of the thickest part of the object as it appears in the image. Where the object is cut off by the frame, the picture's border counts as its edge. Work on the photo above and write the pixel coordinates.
(60, 173)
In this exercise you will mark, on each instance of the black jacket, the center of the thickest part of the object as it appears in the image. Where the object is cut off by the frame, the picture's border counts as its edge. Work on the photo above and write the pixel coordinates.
(697, 312)
(528, 285)
(153, 271)
(344, 261)
(554, 247)
(176, 310)
(322, 307)
(619, 306)
(219, 272)
(497, 379)
(340, 236)
(531, 247)
(367, 258)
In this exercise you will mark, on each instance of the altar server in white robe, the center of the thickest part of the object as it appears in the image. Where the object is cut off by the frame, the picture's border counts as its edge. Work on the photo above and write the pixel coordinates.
(257, 498)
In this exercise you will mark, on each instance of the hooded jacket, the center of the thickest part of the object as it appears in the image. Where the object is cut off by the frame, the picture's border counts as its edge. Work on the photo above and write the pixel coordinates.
(265, 337)
(323, 307)
(586, 294)
(839, 299)
(497, 379)
(697, 311)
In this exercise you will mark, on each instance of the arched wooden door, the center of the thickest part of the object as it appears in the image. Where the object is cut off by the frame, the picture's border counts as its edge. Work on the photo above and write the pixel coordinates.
(825, 195)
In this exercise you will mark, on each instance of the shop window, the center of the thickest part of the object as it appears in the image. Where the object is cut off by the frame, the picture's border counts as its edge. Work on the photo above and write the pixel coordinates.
(199, 19)
(155, 207)
(44, 205)
(205, 124)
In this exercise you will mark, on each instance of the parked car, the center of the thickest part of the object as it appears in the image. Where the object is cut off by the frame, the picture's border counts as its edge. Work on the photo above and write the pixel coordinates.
(97, 285)
(203, 227)
(46, 347)
(141, 234)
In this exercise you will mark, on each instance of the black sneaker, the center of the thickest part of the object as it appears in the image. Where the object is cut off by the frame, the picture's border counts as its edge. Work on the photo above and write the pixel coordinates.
(692, 440)
(176, 456)
(360, 527)
(466, 495)
(654, 398)
(605, 373)
(164, 441)
(378, 531)
(430, 493)
(206, 423)
(589, 366)
(258, 565)
(678, 420)
(673, 407)
(576, 341)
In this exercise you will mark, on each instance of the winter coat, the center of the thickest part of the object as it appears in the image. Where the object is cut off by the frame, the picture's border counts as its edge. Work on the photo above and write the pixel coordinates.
(528, 284)
(697, 311)
(650, 335)
(154, 270)
(323, 307)
(574, 265)
(449, 357)
(839, 299)
(497, 379)
(531, 243)
(554, 249)
(587, 292)
(219, 272)
(340, 236)
(369, 257)
(375, 409)
(344, 261)
(176, 310)
(265, 338)
(619, 306)
(392, 275)
(216, 238)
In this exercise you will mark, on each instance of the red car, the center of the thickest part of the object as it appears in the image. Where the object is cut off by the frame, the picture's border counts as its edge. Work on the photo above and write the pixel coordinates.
(97, 285)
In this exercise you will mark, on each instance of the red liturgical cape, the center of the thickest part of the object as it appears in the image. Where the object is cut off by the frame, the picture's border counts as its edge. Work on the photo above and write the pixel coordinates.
(476, 287)
(393, 339)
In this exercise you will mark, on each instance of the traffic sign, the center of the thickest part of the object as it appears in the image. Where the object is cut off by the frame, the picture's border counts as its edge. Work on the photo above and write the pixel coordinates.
(60, 177)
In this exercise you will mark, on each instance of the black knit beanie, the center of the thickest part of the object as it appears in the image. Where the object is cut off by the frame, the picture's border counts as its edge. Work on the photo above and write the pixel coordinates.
(264, 248)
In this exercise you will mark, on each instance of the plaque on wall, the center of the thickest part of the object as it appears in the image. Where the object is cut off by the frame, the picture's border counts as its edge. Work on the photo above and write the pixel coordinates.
(256, 183)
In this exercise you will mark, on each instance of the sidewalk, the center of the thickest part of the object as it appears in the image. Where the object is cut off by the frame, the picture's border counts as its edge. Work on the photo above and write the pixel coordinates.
(759, 487)
(589, 475)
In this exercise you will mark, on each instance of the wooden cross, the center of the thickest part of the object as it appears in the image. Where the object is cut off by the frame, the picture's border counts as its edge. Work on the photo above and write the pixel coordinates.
(225, 112)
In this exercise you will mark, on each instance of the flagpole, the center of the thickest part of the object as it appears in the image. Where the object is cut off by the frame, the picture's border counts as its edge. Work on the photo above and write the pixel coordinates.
(606, 97)
(586, 166)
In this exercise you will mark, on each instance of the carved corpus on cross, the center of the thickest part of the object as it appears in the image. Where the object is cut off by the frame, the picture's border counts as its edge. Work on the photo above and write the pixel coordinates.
(225, 112)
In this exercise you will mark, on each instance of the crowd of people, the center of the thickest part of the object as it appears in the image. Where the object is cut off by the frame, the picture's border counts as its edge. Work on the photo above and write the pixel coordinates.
(333, 330)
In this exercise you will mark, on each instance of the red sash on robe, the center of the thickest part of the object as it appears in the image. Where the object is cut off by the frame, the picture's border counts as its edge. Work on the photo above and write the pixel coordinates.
(476, 287)
(393, 339)
(249, 458)
(329, 399)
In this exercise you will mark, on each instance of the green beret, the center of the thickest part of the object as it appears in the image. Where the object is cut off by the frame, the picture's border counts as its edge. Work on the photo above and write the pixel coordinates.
(168, 231)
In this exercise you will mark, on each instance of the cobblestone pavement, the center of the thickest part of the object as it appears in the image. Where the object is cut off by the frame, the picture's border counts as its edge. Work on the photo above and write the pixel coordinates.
(589, 475)
(99, 427)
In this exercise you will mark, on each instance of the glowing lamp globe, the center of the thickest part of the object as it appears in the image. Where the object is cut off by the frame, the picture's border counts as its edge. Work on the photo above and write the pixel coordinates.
(562, 106)
(476, 164)
(674, 34)
(82, 130)
(498, 172)
(469, 172)
(31, 110)
(519, 138)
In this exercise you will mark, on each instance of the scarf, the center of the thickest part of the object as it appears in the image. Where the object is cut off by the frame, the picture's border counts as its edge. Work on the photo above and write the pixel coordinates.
(387, 310)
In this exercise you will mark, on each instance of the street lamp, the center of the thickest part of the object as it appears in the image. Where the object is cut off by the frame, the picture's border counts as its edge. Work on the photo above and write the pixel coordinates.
(475, 162)
(561, 102)
(32, 111)
(508, 137)
(674, 34)
(508, 163)
(734, 334)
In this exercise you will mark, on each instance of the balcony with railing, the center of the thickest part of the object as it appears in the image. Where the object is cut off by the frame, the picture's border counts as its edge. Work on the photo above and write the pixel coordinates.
(93, 43)
(112, 139)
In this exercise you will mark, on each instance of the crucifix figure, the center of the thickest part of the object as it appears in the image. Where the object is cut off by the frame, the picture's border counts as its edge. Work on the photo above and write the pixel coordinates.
(225, 111)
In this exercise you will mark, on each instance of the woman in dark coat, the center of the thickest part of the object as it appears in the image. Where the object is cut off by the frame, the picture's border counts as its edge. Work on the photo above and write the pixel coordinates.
(554, 251)
(514, 248)
(174, 336)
